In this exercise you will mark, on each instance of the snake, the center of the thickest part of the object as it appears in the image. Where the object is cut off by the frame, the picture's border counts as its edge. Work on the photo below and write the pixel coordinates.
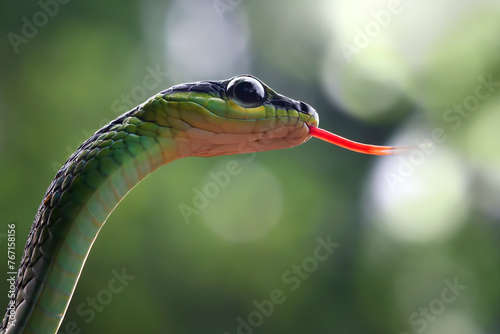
(198, 119)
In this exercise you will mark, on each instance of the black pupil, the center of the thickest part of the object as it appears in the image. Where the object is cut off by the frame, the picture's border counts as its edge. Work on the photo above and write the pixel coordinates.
(246, 91)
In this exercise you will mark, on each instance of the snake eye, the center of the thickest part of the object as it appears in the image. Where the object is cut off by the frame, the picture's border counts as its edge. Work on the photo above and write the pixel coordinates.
(246, 92)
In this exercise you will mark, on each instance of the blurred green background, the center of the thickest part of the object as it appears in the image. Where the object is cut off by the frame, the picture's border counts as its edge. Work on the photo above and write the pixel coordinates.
(419, 234)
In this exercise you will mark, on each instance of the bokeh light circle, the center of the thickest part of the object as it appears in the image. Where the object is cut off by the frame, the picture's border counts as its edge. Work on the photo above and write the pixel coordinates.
(246, 207)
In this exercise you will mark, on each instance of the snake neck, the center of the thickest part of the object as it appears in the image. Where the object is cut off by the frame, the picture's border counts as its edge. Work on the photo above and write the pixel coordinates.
(76, 205)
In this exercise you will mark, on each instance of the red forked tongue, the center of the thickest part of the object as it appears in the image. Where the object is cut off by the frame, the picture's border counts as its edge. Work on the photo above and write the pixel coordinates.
(355, 146)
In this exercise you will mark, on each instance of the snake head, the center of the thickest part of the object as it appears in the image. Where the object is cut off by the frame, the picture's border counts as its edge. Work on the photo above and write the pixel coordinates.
(238, 115)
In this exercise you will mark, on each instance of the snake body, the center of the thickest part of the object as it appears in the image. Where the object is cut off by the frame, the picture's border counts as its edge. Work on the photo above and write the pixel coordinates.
(206, 118)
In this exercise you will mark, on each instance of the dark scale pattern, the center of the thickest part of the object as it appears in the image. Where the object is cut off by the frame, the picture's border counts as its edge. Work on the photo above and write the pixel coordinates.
(214, 88)
(72, 186)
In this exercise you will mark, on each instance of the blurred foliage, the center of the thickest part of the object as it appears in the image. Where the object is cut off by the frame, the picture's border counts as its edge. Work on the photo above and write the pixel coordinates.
(408, 226)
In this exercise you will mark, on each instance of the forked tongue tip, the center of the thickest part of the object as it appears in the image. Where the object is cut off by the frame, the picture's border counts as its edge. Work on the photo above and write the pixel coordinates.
(355, 146)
